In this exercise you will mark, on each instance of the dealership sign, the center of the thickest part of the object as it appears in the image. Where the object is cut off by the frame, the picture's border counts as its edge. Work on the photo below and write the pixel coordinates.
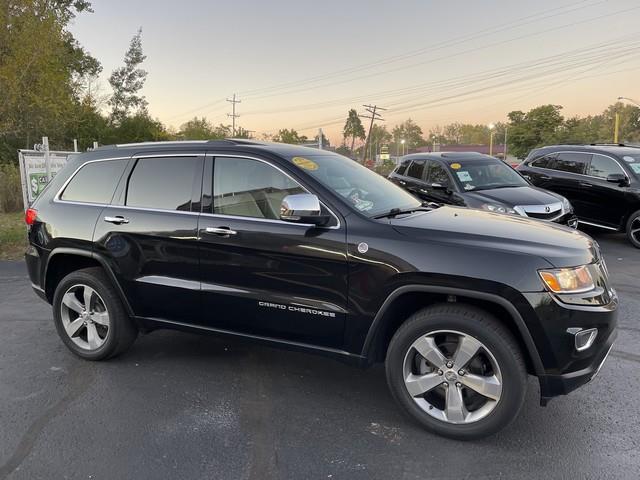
(37, 168)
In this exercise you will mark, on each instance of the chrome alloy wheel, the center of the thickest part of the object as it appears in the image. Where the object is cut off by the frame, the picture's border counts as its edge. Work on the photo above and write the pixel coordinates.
(635, 229)
(452, 376)
(84, 317)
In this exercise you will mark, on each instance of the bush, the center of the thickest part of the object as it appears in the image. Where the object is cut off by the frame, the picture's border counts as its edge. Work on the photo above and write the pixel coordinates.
(10, 189)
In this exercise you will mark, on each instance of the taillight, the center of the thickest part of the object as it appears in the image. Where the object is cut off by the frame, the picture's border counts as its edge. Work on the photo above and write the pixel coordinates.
(30, 216)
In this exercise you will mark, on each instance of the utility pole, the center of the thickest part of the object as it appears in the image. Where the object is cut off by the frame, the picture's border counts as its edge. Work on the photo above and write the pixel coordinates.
(233, 115)
(616, 127)
(320, 139)
(372, 110)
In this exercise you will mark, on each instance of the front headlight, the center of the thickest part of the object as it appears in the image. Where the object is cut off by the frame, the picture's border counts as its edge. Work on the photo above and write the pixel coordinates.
(568, 280)
(498, 208)
(566, 205)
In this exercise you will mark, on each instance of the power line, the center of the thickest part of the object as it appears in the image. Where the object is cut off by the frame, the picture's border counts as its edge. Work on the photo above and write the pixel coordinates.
(233, 115)
(444, 44)
(519, 22)
(374, 115)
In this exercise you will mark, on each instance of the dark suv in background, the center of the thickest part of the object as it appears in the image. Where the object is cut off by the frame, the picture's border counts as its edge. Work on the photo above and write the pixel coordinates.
(479, 181)
(602, 182)
(312, 251)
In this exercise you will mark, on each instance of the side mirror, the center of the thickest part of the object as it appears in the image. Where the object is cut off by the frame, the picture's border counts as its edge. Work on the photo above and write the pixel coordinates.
(302, 208)
(439, 186)
(619, 178)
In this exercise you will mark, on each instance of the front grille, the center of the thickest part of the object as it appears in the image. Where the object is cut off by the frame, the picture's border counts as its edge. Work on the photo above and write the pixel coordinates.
(550, 212)
(544, 216)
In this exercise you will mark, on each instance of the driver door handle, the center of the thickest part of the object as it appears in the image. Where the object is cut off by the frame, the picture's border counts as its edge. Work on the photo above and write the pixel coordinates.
(585, 184)
(220, 230)
(118, 219)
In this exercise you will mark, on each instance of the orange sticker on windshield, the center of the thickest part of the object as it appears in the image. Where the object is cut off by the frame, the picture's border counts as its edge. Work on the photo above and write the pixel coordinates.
(456, 166)
(305, 163)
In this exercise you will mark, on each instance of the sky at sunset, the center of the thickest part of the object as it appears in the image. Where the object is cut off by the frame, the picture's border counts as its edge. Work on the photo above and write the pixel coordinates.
(303, 65)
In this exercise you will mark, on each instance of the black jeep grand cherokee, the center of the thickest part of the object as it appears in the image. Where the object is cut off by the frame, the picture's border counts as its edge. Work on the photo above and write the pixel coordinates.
(309, 250)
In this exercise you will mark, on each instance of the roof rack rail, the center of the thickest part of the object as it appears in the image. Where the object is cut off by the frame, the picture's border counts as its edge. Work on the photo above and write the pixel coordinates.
(619, 144)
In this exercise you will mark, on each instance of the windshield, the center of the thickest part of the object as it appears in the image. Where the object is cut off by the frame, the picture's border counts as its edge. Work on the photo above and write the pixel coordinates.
(485, 174)
(633, 161)
(361, 188)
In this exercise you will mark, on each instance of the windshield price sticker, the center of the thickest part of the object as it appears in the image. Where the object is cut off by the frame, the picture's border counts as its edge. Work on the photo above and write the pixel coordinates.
(635, 167)
(464, 176)
(305, 163)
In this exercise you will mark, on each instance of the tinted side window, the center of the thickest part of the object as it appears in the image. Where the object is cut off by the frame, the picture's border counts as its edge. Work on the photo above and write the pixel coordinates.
(250, 188)
(543, 162)
(572, 162)
(402, 168)
(95, 182)
(602, 166)
(165, 183)
(416, 169)
(437, 174)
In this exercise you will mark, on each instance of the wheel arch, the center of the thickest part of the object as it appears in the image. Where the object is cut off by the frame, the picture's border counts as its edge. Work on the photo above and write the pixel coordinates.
(405, 300)
(62, 261)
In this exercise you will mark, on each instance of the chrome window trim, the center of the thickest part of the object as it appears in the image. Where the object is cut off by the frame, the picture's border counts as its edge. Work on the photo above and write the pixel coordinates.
(580, 174)
(57, 199)
(271, 220)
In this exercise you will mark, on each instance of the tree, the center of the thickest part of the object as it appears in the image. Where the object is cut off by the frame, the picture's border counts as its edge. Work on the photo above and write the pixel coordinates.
(196, 129)
(535, 128)
(289, 136)
(409, 132)
(353, 128)
(41, 67)
(127, 81)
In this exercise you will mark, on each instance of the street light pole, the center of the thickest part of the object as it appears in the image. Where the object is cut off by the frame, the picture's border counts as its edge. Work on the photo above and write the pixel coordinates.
(630, 100)
(491, 127)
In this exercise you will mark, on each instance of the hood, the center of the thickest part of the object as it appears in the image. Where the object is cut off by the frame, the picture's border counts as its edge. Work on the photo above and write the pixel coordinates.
(512, 196)
(561, 246)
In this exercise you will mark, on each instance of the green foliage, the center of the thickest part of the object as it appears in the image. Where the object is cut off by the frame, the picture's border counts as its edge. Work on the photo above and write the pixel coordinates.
(353, 128)
(202, 129)
(41, 69)
(534, 128)
(13, 236)
(10, 189)
(127, 81)
(289, 136)
(409, 132)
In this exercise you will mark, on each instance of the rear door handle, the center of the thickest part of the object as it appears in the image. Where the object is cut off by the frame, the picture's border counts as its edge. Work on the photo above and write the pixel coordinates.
(220, 230)
(118, 220)
(545, 177)
(585, 184)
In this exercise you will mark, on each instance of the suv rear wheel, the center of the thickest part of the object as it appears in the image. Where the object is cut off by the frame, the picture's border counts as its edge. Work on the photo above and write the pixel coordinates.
(457, 370)
(633, 229)
(90, 317)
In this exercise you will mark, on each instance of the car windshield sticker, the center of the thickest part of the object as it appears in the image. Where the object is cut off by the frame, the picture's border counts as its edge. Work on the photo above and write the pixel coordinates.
(629, 159)
(305, 163)
(464, 176)
(456, 166)
(359, 203)
(468, 186)
(635, 167)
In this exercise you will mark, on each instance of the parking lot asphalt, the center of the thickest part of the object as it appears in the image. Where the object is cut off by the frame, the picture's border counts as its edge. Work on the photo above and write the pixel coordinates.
(179, 405)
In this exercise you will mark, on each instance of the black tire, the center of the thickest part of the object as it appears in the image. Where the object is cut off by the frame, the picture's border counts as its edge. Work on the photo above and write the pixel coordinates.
(489, 331)
(122, 331)
(633, 224)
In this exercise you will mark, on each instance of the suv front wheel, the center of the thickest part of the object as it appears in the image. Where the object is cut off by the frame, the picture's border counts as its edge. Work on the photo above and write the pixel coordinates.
(633, 229)
(457, 370)
(90, 317)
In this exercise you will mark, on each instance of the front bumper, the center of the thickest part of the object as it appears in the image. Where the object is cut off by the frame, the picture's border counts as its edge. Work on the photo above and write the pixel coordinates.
(562, 384)
(564, 367)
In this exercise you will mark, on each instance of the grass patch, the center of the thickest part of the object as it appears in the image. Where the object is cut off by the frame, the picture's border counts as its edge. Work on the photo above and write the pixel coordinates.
(13, 236)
